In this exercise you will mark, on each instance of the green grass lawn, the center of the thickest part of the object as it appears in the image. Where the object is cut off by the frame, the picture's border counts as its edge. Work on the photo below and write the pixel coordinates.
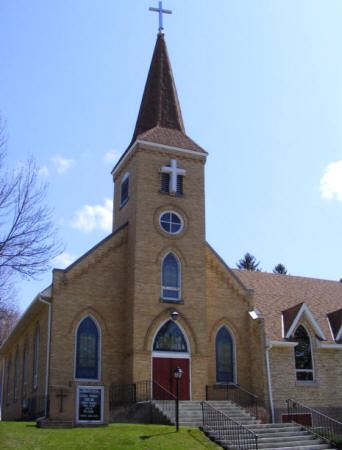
(25, 435)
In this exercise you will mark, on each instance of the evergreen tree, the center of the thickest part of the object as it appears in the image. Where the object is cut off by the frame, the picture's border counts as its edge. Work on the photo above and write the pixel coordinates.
(248, 262)
(280, 268)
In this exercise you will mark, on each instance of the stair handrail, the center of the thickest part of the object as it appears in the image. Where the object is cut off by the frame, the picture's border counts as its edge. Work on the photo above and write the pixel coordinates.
(250, 401)
(226, 427)
(320, 422)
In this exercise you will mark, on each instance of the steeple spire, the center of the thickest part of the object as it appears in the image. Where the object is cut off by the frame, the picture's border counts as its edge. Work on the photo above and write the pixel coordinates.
(160, 105)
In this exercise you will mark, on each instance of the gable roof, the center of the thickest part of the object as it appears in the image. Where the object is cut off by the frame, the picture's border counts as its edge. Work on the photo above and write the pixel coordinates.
(335, 321)
(275, 294)
(293, 316)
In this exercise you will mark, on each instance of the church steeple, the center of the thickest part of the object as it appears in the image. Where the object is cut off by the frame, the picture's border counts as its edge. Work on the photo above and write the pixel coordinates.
(160, 105)
(160, 117)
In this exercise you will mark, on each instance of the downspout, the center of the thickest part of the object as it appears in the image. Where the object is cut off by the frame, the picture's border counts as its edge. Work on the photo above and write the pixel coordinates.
(269, 379)
(47, 359)
(2, 386)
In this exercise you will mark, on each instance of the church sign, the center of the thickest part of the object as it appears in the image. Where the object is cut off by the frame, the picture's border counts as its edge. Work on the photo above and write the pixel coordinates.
(89, 404)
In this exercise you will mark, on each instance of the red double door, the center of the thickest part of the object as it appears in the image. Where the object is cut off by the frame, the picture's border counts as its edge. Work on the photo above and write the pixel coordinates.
(163, 369)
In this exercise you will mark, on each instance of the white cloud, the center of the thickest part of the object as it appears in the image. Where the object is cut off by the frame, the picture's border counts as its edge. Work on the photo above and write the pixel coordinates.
(43, 171)
(62, 164)
(331, 182)
(64, 260)
(98, 217)
(111, 157)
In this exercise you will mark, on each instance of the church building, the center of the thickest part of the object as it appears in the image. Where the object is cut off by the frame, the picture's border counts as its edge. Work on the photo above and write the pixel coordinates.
(154, 295)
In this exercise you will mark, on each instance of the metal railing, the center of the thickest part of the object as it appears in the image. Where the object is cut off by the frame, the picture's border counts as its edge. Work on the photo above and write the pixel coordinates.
(226, 431)
(166, 400)
(236, 394)
(321, 425)
(143, 391)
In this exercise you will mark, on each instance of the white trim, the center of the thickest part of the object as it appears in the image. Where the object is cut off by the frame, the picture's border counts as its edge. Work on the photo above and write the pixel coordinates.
(312, 358)
(269, 381)
(48, 343)
(339, 334)
(99, 350)
(101, 388)
(153, 144)
(282, 344)
(179, 289)
(181, 355)
(324, 345)
(176, 214)
(2, 386)
(234, 354)
(304, 309)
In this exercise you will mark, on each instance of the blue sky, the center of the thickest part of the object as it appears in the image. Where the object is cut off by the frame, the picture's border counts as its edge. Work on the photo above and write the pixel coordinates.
(260, 87)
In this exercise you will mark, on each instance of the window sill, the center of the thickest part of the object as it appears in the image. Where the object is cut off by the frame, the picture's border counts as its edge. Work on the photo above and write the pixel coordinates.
(167, 300)
(172, 195)
(123, 203)
(307, 383)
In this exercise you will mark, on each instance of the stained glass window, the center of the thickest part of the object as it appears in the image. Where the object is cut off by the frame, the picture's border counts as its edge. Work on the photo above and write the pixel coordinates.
(303, 357)
(87, 351)
(224, 356)
(170, 339)
(171, 277)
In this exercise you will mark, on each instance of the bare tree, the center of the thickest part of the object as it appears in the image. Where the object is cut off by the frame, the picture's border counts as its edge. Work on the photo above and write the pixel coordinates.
(27, 234)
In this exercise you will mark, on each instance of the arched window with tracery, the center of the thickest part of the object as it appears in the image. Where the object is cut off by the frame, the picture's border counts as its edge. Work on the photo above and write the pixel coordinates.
(224, 351)
(170, 339)
(171, 278)
(87, 350)
(303, 355)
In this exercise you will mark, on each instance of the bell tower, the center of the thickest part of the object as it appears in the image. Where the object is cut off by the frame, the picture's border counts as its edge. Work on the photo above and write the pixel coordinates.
(159, 191)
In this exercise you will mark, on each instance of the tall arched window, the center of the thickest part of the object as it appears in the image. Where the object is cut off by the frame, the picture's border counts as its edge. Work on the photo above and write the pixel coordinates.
(224, 350)
(87, 350)
(16, 369)
(170, 339)
(35, 361)
(303, 355)
(25, 355)
(171, 278)
(8, 396)
(124, 189)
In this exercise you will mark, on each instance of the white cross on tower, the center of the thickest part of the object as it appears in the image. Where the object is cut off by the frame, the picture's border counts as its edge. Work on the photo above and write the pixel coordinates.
(161, 11)
(173, 171)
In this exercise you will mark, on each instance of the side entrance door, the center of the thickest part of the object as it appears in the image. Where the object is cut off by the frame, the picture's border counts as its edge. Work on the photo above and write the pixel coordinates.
(163, 369)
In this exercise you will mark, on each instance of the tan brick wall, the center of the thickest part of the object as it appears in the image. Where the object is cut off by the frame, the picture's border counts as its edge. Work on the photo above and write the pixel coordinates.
(228, 304)
(95, 286)
(13, 409)
(323, 394)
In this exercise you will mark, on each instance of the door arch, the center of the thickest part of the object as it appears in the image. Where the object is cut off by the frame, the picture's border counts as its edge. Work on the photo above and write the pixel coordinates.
(171, 349)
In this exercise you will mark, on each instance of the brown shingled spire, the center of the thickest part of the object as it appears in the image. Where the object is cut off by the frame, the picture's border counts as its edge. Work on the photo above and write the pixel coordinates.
(160, 105)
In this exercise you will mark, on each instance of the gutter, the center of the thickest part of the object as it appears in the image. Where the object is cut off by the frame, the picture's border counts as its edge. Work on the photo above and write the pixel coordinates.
(47, 358)
(269, 378)
(2, 386)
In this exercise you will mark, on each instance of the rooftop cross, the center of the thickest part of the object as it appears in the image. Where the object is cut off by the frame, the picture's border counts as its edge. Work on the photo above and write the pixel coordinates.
(161, 11)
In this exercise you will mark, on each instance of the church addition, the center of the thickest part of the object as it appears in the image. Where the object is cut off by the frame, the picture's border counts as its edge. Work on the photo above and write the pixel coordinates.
(109, 318)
